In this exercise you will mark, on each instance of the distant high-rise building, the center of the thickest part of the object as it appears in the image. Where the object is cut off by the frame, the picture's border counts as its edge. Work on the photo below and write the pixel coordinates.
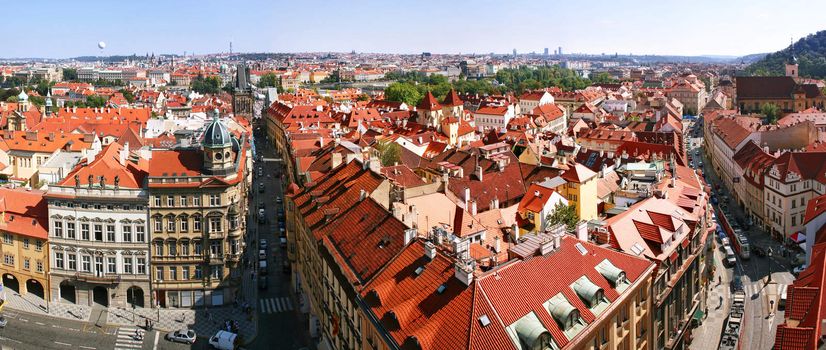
(559, 51)
(546, 51)
(514, 52)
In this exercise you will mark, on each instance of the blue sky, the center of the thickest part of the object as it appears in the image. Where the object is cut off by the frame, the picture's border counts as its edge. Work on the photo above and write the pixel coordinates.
(693, 27)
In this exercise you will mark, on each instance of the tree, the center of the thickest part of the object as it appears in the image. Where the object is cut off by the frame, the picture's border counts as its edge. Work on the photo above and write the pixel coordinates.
(771, 111)
(269, 80)
(69, 74)
(403, 92)
(95, 101)
(563, 214)
(208, 85)
(128, 95)
(331, 78)
(390, 152)
(11, 99)
(364, 97)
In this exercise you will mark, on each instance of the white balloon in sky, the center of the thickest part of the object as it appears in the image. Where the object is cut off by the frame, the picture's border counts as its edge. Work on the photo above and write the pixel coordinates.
(102, 45)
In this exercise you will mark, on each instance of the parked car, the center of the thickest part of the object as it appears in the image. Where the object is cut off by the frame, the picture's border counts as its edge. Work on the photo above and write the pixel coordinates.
(262, 267)
(261, 205)
(283, 241)
(224, 340)
(261, 187)
(262, 243)
(262, 254)
(186, 336)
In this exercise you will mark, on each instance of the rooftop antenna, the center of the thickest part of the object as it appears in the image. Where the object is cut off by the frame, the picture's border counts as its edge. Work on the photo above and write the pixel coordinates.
(230, 47)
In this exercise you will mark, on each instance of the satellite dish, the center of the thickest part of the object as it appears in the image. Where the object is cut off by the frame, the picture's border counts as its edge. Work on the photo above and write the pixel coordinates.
(102, 45)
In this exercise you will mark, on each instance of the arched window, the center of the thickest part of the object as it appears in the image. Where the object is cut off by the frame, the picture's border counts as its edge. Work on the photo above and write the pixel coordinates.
(196, 223)
(157, 223)
(184, 219)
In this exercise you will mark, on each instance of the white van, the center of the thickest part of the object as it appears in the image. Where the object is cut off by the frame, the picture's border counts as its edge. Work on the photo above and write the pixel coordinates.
(223, 340)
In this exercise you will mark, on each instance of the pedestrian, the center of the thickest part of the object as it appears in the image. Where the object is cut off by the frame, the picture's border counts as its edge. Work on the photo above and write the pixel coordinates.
(146, 324)
(719, 280)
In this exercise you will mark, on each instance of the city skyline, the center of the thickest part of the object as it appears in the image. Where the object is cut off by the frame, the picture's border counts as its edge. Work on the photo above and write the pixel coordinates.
(451, 28)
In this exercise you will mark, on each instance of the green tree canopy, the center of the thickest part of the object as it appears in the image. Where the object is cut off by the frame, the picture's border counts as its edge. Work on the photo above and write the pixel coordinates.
(771, 111)
(69, 74)
(563, 214)
(269, 80)
(206, 85)
(390, 152)
(128, 95)
(403, 92)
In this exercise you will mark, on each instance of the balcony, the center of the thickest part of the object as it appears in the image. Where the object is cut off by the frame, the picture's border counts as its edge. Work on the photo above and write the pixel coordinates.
(216, 259)
(234, 257)
(94, 278)
(216, 235)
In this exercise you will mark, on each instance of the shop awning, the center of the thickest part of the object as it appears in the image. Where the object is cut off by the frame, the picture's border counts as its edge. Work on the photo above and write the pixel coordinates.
(798, 237)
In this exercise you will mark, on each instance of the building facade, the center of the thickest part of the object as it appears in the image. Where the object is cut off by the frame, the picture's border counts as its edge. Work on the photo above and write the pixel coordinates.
(197, 216)
(24, 247)
(98, 235)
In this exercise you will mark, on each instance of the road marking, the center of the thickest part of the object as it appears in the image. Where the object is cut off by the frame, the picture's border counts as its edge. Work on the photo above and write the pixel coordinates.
(275, 307)
(156, 340)
(41, 323)
(86, 347)
(13, 340)
(64, 344)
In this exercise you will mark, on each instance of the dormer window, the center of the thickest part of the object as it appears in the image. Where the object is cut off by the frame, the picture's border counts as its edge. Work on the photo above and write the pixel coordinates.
(566, 315)
(591, 294)
(613, 274)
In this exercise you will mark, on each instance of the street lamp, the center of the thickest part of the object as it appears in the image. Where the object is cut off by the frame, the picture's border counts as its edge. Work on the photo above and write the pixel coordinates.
(769, 254)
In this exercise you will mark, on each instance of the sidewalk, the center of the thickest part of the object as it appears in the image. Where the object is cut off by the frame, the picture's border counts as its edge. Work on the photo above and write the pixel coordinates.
(707, 335)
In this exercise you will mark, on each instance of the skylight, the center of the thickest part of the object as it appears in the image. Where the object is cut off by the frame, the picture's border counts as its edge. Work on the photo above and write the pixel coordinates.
(484, 320)
(637, 249)
(419, 270)
(441, 289)
(581, 248)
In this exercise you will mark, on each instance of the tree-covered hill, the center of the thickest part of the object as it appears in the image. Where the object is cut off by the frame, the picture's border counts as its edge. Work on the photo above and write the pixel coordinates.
(810, 52)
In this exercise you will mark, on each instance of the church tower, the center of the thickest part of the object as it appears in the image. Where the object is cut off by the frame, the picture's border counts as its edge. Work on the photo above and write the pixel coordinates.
(242, 102)
(792, 69)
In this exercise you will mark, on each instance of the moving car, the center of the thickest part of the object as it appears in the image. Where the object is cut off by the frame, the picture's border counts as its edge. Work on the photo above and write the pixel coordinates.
(262, 243)
(186, 336)
(261, 187)
(730, 259)
(263, 282)
(262, 254)
(262, 267)
(261, 216)
(283, 241)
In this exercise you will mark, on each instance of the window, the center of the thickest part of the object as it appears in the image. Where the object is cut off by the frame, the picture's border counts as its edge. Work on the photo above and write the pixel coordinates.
(185, 273)
(97, 206)
(196, 201)
(215, 248)
(794, 219)
(58, 229)
(39, 266)
(157, 201)
(184, 223)
(233, 222)
(25, 243)
(183, 201)
(216, 272)
(170, 223)
(126, 207)
(198, 272)
(170, 201)
(142, 266)
(172, 249)
(7, 238)
(173, 273)
(84, 232)
(127, 232)
(72, 262)
(159, 273)
(185, 248)
(86, 263)
(214, 200)
(215, 224)
(110, 265)
(196, 223)
(158, 224)
(70, 230)
(140, 235)
(58, 260)
(198, 248)
(8, 259)
(110, 233)
(38, 245)
(99, 232)
(127, 265)
(26, 264)
(139, 207)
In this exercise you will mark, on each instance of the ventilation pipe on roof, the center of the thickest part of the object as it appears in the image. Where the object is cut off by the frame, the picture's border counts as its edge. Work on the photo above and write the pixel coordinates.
(473, 207)
(430, 250)
(464, 271)
(582, 231)
(409, 235)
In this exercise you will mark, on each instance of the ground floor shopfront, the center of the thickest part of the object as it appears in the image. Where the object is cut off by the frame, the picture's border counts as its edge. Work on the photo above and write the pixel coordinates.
(194, 298)
(104, 291)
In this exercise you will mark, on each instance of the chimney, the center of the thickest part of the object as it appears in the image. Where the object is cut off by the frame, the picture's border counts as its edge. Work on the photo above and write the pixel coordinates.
(124, 154)
(335, 160)
(362, 195)
(467, 196)
(479, 172)
(375, 165)
(31, 135)
(548, 245)
(497, 244)
(321, 141)
(464, 272)
(50, 137)
(495, 203)
(473, 208)
(582, 231)
(409, 235)
(430, 250)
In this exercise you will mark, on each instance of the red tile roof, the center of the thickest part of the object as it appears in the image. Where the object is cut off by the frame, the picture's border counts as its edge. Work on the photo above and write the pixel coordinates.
(535, 198)
(107, 164)
(815, 207)
(25, 212)
(429, 103)
(180, 162)
(452, 99)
